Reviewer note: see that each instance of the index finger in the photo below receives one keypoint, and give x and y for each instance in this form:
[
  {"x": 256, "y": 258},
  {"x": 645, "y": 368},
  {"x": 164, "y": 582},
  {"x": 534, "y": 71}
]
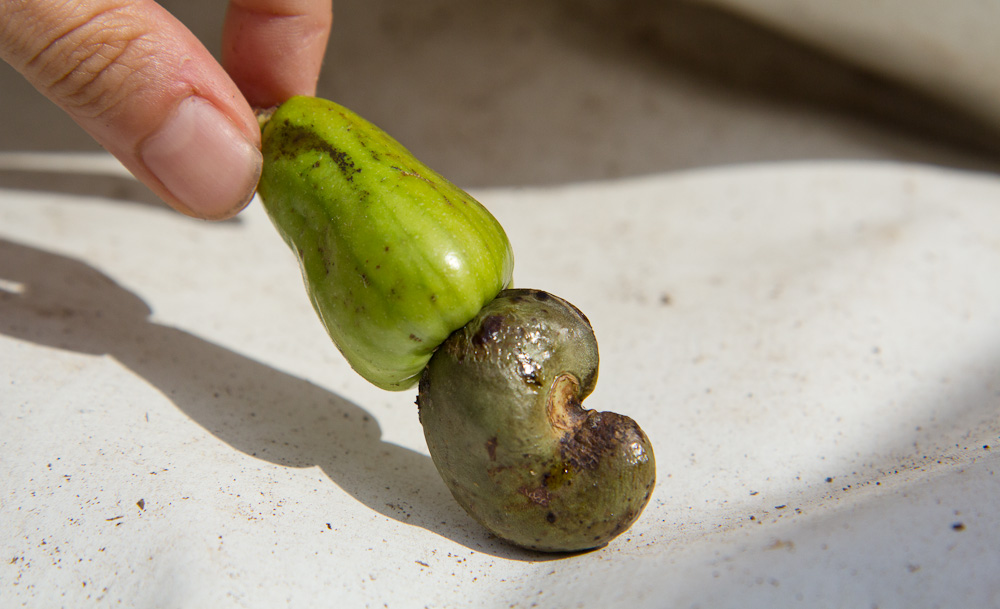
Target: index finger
[{"x": 273, "y": 49}]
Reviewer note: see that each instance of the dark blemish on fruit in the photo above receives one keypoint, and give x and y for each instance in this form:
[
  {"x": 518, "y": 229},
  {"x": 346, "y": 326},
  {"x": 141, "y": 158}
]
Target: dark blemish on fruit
[
  {"x": 538, "y": 496},
  {"x": 489, "y": 331},
  {"x": 600, "y": 433},
  {"x": 296, "y": 139}
]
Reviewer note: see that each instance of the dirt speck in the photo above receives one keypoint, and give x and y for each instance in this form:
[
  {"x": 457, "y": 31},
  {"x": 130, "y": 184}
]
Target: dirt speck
[{"x": 781, "y": 544}]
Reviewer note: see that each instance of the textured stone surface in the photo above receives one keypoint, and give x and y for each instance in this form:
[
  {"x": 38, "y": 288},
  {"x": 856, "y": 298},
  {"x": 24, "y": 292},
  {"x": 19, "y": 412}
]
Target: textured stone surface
[{"x": 811, "y": 348}]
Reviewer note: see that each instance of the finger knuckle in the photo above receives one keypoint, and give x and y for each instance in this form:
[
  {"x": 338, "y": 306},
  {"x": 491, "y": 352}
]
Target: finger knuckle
[{"x": 92, "y": 63}]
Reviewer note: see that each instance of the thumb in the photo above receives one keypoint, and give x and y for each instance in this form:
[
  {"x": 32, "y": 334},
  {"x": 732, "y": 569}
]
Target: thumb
[{"x": 147, "y": 90}]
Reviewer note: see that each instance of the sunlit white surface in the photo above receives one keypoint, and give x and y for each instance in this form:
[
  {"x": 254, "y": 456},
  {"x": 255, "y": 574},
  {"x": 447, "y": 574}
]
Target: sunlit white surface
[{"x": 813, "y": 349}]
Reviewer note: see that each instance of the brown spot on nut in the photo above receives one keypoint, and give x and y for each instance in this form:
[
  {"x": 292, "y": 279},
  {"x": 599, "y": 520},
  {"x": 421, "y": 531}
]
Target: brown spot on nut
[
  {"x": 538, "y": 496},
  {"x": 564, "y": 410}
]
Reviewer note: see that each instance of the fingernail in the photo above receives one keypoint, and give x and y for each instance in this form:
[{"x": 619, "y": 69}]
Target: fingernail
[{"x": 203, "y": 160}]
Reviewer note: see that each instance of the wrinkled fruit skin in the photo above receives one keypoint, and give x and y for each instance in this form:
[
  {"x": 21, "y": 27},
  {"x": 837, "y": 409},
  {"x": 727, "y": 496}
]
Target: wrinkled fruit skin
[
  {"x": 394, "y": 257},
  {"x": 500, "y": 407}
]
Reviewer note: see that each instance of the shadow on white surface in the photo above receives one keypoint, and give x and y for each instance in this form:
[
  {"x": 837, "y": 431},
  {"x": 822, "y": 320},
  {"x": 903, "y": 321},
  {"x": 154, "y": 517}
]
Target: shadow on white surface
[{"x": 59, "y": 302}]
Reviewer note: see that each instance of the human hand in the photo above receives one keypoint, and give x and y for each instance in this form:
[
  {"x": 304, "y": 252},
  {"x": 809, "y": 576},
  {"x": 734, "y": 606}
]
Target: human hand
[{"x": 147, "y": 90}]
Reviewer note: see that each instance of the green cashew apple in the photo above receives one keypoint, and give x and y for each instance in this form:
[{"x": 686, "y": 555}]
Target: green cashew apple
[
  {"x": 394, "y": 256},
  {"x": 500, "y": 405}
]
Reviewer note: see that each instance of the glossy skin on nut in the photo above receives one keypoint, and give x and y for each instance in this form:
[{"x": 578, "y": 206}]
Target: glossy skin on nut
[{"x": 501, "y": 407}]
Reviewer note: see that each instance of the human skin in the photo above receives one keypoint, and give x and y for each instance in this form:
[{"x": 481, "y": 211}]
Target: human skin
[{"x": 138, "y": 81}]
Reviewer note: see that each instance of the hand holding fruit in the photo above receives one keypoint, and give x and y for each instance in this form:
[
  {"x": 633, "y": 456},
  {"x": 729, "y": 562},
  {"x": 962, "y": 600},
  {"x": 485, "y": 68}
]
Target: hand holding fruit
[
  {"x": 145, "y": 88},
  {"x": 395, "y": 258}
]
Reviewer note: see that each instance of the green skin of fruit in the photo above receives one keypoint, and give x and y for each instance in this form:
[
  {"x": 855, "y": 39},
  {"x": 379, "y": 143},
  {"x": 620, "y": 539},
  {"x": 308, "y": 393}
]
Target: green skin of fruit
[
  {"x": 500, "y": 405},
  {"x": 394, "y": 256}
]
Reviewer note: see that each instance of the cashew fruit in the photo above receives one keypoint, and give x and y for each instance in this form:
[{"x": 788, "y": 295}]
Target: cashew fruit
[
  {"x": 394, "y": 256},
  {"x": 500, "y": 405}
]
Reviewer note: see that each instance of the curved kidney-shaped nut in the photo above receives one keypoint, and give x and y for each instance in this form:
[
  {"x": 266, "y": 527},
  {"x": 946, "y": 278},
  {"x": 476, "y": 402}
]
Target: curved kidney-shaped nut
[{"x": 500, "y": 404}]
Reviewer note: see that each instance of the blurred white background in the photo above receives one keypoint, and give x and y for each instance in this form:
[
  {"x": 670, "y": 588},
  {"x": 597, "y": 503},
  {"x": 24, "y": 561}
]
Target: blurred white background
[{"x": 542, "y": 93}]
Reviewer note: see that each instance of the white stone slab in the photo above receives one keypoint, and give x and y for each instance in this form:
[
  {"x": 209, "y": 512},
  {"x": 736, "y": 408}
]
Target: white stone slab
[{"x": 814, "y": 350}]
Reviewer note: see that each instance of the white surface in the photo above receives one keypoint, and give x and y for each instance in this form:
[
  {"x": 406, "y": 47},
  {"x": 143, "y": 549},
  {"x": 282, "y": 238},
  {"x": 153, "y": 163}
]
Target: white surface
[
  {"x": 950, "y": 49},
  {"x": 521, "y": 92},
  {"x": 771, "y": 328}
]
